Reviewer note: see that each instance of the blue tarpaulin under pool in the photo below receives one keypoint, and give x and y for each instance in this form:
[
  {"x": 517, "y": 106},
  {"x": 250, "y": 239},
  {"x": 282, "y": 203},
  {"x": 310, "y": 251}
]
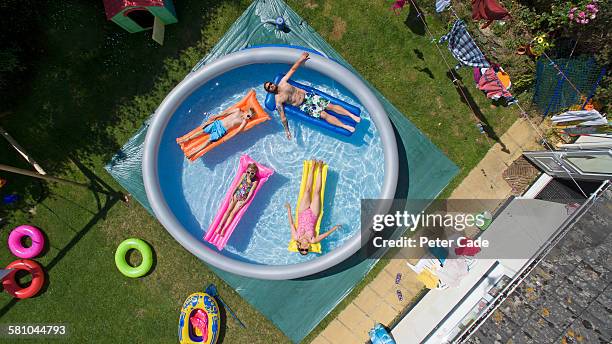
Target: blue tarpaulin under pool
[{"x": 424, "y": 172}]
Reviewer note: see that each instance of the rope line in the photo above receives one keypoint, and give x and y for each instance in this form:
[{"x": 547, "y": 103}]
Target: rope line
[
  {"x": 523, "y": 112},
  {"x": 455, "y": 80}
]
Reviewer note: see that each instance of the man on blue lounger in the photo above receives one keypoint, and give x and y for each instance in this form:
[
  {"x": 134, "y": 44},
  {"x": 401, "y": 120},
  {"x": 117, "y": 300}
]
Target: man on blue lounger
[{"x": 312, "y": 104}]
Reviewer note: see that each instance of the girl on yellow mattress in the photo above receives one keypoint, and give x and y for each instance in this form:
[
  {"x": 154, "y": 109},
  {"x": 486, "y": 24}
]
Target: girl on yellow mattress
[{"x": 308, "y": 213}]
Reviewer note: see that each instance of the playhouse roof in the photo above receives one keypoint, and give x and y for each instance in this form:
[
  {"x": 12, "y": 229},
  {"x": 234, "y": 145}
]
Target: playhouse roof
[{"x": 112, "y": 7}]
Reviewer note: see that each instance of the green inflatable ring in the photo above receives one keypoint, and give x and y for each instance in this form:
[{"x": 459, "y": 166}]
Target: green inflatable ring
[{"x": 140, "y": 246}]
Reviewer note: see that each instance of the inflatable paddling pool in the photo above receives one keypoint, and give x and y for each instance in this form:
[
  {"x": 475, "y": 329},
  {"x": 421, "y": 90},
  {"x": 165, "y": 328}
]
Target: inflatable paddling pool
[
  {"x": 249, "y": 100},
  {"x": 295, "y": 112},
  {"x": 316, "y": 248},
  {"x": 165, "y": 174},
  {"x": 202, "y": 310},
  {"x": 263, "y": 173}
]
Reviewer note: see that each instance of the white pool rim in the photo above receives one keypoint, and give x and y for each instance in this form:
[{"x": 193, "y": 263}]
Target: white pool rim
[{"x": 263, "y": 55}]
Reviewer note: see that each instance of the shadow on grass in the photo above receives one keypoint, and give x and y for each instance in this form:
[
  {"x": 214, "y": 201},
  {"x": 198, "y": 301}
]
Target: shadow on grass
[
  {"x": 92, "y": 78},
  {"x": 105, "y": 202},
  {"x": 414, "y": 22},
  {"x": 466, "y": 97}
]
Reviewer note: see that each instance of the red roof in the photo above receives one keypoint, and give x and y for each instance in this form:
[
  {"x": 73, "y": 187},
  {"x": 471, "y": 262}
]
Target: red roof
[{"x": 112, "y": 7}]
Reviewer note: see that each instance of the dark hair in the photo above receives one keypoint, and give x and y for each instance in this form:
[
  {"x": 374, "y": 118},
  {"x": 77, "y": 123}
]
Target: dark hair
[
  {"x": 267, "y": 83},
  {"x": 303, "y": 252}
]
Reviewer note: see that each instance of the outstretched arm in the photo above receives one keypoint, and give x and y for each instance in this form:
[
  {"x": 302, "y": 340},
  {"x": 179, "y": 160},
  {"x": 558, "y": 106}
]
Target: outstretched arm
[
  {"x": 295, "y": 67},
  {"x": 293, "y": 231},
  {"x": 326, "y": 234},
  {"x": 223, "y": 113},
  {"x": 281, "y": 111}
]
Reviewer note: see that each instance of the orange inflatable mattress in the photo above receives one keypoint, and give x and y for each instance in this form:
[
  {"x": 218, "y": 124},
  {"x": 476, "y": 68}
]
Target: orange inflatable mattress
[{"x": 249, "y": 100}]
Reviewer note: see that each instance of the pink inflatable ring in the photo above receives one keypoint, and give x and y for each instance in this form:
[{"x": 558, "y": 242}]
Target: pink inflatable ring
[{"x": 17, "y": 248}]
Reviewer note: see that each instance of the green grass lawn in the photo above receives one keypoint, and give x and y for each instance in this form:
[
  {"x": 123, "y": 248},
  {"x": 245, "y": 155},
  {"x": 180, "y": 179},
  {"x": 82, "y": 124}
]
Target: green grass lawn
[{"x": 91, "y": 87}]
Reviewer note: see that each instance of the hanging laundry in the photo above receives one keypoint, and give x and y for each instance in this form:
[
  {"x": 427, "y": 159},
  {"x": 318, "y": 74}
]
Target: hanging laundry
[
  {"x": 441, "y": 5},
  {"x": 501, "y": 75},
  {"x": 494, "y": 89},
  {"x": 463, "y": 47},
  {"x": 489, "y": 10}
]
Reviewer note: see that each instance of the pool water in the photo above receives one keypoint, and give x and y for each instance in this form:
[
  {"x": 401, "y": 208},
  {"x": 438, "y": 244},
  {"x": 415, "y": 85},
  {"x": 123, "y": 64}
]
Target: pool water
[{"x": 194, "y": 191}]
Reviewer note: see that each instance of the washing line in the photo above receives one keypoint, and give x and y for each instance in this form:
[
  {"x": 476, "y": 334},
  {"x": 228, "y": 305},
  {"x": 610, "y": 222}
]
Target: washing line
[
  {"x": 523, "y": 112},
  {"x": 455, "y": 80}
]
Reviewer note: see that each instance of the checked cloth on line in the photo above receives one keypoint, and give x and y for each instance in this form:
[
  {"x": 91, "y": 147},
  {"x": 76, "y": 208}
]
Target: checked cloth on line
[{"x": 463, "y": 47}]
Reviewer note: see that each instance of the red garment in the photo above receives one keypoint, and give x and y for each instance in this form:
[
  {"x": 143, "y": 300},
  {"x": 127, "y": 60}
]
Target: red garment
[
  {"x": 466, "y": 251},
  {"x": 492, "y": 86},
  {"x": 489, "y": 10}
]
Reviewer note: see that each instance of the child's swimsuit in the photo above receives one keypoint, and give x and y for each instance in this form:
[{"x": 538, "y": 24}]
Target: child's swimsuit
[
  {"x": 306, "y": 224},
  {"x": 243, "y": 190},
  {"x": 314, "y": 104},
  {"x": 216, "y": 130}
]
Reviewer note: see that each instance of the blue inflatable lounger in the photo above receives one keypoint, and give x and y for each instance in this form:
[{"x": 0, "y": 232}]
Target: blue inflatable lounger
[{"x": 296, "y": 113}]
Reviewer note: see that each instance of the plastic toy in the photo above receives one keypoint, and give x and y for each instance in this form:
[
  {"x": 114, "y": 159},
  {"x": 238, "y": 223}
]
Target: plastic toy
[
  {"x": 145, "y": 251},
  {"x": 380, "y": 335},
  {"x": 199, "y": 309},
  {"x": 11, "y": 199},
  {"x": 13, "y": 288},
  {"x": 16, "y": 247}
]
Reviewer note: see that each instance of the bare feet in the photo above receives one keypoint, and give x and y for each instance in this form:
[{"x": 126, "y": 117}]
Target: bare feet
[
  {"x": 357, "y": 119},
  {"x": 349, "y": 128}
]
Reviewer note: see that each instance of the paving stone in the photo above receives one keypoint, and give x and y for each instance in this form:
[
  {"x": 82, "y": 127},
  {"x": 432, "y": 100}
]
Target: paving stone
[
  {"x": 337, "y": 333},
  {"x": 320, "y": 339},
  {"x": 383, "y": 283},
  {"x": 352, "y": 315},
  {"x": 367, "y": 300},
  {"x": 383, "y": 314},
  {"x": 362, "y": 329}
]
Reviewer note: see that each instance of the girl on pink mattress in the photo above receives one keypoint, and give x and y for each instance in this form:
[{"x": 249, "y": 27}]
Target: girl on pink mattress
[
  {"x": 242, "y": 193},
  {"x": 308, "y": 213}
]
